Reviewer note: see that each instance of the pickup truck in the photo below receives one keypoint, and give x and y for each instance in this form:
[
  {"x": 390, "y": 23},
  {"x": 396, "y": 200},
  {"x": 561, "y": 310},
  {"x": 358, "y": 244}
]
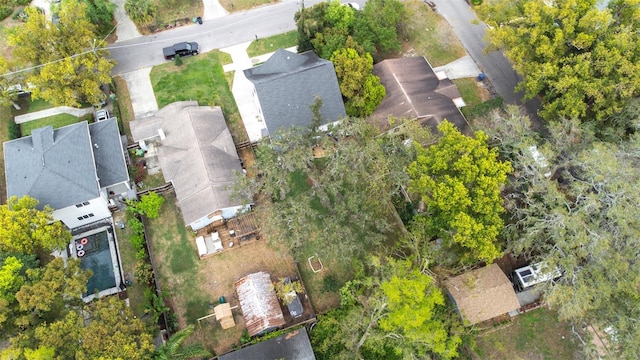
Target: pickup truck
[{"x": 182, "y": 49}]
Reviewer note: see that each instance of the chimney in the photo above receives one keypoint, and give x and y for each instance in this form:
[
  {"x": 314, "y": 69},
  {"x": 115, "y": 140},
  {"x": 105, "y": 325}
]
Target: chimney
[{"x": 42, "y": 138}]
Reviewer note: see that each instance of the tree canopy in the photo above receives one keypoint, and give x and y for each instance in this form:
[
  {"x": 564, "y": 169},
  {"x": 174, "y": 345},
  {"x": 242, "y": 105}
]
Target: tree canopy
[
  {"x": 393, "y": 311},
  {"x": 584, "y": 62},
  {"x": 111, "y": 332},
  {"x": 459, "y": 179},
  {"x": 71, "y": 57},
  {"x": 358, "y": 85},
  {"x": 174, "y": 349},
  {"x": 571, "y": 201},
  {"x": 329, "y": 186},
  {"x": 25, "y": 229}
]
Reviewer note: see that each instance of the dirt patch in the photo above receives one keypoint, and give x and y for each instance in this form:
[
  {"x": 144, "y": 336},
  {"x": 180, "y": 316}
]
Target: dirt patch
[{"x": 195, "y": 286}]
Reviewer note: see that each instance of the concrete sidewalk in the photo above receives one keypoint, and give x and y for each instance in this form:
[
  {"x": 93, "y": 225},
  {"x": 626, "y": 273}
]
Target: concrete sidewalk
[
  {"x": 213, "y": 9},
  {"x": 126, "y": 29},
  {"x": 20, "y": 119}
]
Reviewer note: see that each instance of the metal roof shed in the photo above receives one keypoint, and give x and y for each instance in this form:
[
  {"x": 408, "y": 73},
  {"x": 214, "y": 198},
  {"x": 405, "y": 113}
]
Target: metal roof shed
[{"x": 259, "y": 303}]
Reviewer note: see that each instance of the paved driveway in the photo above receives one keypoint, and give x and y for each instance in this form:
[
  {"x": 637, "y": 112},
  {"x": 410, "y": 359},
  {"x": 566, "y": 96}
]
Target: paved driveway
[{"x": 471, "y": 31}]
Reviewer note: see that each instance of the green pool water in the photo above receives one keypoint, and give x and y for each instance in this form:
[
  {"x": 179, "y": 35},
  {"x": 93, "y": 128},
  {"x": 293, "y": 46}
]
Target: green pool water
[{"x": 97, "y": 258}]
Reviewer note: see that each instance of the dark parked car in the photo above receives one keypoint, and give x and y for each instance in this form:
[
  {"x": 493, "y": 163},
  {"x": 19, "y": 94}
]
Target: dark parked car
[{"x": 182, "y": 49}]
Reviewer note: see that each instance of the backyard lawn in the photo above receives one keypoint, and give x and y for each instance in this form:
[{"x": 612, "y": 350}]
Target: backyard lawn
[
  {"x": 135, "y": 291},
  {"x": 199, "y": 78},
  {"x": 193, "y": 286},
  {"x": 534, "y": 335}
]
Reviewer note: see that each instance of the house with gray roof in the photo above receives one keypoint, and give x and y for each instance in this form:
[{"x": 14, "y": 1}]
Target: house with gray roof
[
  {"x": 75, "y": 169},
  {"x": 294, "y": 345},
  {"x": 287, "y": 84},
  {"x": 416, "y": 91},
  {"x": 198, "y": 156}
]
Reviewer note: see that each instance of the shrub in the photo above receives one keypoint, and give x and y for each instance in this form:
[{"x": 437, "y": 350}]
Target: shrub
[
  {"x": 245, "y": 338},
  {"x": 141, "y": 254},
  {"x": 330, "y": 283},
  {"x": 14, "y": 130},
  {"x": 149, "y": 205},
  {"x": 143, "y": 272},
  {"x": 5, "y": 11},
  {"x": 287, "y": 292},
  {"x": 136, "y": 226},
  {"x": 23, "y": 2},
  {"x": 140, "y": 11},
  {"x": 178, "y": 60},
  {"x": 137, "y": 242},
  {"x": 476, "y": 2}
]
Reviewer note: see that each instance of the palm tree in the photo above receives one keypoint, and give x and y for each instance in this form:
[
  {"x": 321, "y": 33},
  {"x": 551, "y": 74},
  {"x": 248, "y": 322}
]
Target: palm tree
[{"x": 173, "y": 349}]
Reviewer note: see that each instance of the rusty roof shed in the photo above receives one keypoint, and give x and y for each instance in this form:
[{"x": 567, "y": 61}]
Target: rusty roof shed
[{"x": 259, "y": 303}]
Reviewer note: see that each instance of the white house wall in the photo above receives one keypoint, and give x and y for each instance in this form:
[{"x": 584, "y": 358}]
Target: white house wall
[
  {"x": 89, "y": 211},
  {"x": 227, "y": 213}
]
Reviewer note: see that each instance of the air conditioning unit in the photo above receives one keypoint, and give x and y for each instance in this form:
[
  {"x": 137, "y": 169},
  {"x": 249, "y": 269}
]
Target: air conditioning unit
[{"x": 535, "y": 274}]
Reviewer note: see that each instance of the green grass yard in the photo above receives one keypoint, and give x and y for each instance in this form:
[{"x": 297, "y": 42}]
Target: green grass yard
[
  {"x": 430, "y": 35},
  {"x": 135, "y": 291},
  {"x": 56, "y": 121},
  {"x": 238, "y": 5},
  {"x": 200, "y": 78},
  {"x": 534, "y": 335},
  {"x": 273, "y": 43}
]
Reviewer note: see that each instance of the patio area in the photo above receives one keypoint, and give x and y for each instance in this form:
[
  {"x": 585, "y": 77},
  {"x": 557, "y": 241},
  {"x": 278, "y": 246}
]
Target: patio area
[{"x": 227, "y": 235}]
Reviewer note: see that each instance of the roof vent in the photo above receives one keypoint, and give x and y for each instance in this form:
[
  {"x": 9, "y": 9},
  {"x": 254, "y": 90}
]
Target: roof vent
[{"x": 161, "y": 134}]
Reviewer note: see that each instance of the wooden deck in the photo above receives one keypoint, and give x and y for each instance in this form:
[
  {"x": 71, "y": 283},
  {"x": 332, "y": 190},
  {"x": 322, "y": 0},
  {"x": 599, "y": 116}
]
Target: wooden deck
[{"x": 234, "y": 233}]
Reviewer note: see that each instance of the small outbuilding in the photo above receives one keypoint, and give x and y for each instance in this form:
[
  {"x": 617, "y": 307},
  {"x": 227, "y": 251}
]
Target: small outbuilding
[
  {"x": 260, "y": 307},
  {"x": 224, "y": 315},
  {"x": 482, "y": 294}
]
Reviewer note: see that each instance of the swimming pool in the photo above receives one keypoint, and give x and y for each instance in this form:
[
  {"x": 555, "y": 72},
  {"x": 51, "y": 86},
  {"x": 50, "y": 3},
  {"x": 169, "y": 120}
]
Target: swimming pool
[{"x": 94, "y": 253}]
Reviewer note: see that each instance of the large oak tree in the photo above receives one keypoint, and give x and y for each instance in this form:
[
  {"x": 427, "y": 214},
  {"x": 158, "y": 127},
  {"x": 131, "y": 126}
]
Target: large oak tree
[
  {"x": 459, "y": 180},
  {"x": 330, "y": 193},
  {"x": 572, "y": 204},
  {"x": 70, "y": 58},
  {"x": 584, "y": 62},
  {"x": 25, "y": 229}
]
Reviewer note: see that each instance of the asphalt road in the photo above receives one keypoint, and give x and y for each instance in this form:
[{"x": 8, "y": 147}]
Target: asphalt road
[
  {"x": 217, "y": 33},
  {"x": 471, "y": 31}
]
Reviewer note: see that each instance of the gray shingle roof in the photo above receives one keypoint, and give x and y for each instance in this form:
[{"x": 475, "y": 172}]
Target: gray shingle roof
[
  {"x": 56, "y": 167},
  {"x": 198, "y": 155},
  {"x": 294, "y": 345},
  {"x": 288, "y": 83},
  {"x": 414, "y": 91},
  {"x": 108, "y": 153}
]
